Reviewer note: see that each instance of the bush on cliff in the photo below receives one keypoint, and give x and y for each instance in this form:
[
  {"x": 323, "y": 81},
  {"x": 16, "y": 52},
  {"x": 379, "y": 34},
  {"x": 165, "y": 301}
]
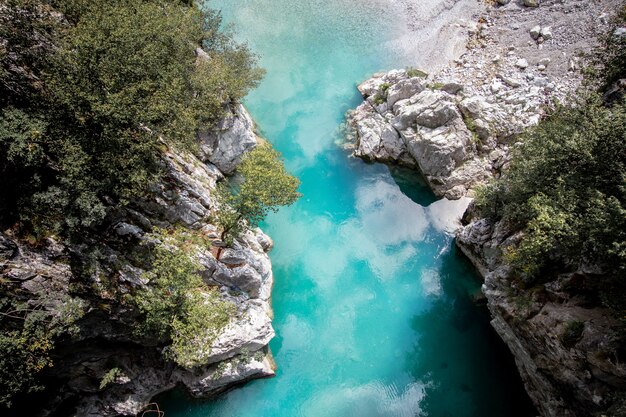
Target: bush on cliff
[
  {"x": 266, "y": 186},
  {"x": 610, "y": 60},
  {"x": 178, "y": 306},
  {"x": 81, "y": 121},
  {"x": 566, "y": 190}
]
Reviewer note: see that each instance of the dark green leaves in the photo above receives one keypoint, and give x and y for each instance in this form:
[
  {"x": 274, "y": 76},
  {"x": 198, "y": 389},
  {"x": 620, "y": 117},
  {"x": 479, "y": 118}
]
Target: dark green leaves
[
  {"x": 566, "y": 189},
  {"x": 266, "y": 187}
]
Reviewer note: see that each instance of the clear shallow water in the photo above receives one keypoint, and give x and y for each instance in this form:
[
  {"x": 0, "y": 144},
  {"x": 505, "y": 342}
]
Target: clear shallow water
[{"x": 373, "y": 309}]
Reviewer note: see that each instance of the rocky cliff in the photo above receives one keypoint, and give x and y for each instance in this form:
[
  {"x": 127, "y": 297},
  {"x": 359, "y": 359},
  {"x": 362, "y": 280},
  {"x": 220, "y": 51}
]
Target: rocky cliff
[
  {"x": 567, "y": 349},
  {"x": 95, "y": 276},
  {"x": 457, "y": 127}
]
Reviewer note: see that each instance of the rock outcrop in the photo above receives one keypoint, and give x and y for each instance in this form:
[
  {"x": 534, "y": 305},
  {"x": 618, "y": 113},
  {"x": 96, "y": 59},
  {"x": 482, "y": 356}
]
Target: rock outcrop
[
  {"x": 404, "y": 121},
  {"x": 92, "y": 277},
  {"x": 459, "y": 125},
  {"x": 225, "y": 145},
  {"x": 567, "y": 349}
]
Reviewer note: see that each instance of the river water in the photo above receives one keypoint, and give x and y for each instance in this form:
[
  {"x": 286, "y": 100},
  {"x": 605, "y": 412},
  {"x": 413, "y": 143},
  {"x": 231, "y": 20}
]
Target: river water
[{"x": 373, "y": 305}]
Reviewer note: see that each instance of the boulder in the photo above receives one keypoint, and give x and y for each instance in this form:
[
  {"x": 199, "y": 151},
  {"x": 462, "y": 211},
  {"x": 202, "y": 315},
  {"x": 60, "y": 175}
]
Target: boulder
[
  {"x": 403, "y": 90},
  {"x": 546, "y": 33},
  {"x": 521, "y": 63},
  {"x": 376, "y": 139},
  {"x": 430, "y": 109},
  {"x": 535, "y": 32},
  {"x": 225, "y": 145},
  {"x": 439, "y": 151}
]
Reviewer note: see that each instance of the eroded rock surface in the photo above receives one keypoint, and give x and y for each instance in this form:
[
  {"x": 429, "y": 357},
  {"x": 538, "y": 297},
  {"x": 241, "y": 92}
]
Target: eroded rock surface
[
  {"x": 566, "y": 373},
  {"x": 225, "y": 145},
  {"x": 458, "y": 125},
  {"x": 95, "y": 275}
]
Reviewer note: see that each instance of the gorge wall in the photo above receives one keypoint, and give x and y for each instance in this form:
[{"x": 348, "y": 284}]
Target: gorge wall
[{"x": 95, "y": 276}]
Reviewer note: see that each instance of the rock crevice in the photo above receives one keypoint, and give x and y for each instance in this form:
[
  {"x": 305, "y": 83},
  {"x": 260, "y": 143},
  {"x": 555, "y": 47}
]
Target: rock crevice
[{"x": 97, "y": 273}]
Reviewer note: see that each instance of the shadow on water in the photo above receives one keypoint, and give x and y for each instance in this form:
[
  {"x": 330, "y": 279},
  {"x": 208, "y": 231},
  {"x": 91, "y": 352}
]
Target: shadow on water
[
  {"x": 453, "y": 320},
  {"x": 412, "y": 184}
]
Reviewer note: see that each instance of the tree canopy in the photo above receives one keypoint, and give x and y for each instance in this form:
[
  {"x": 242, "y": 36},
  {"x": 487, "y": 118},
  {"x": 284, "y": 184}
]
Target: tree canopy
[
  {"x": 566, "y": 189},
  {"x": 83, "y": 111}
]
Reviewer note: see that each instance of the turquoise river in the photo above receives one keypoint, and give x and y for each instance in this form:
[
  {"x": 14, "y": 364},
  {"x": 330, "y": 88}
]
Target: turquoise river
[{"x": 373, "y": 304}]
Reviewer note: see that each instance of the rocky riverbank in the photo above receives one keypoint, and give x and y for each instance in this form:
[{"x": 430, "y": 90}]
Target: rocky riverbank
[
  {"x": 457, "y": 127},
  {"x": 99, "y": 273}
]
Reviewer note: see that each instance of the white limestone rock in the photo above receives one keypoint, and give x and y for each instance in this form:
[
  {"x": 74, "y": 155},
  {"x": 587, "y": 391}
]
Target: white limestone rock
[
  {"x": 376, "y": 139},
  {"x": 229, "y": 141},
  {"x": 535, "y": 32},
  {"x": 404, "y": 89},
  {"x": 430, "y": 108}
]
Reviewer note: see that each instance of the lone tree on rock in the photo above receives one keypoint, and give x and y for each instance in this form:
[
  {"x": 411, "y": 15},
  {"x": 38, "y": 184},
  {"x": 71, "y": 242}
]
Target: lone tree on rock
[{"x": 266, "y": 187}]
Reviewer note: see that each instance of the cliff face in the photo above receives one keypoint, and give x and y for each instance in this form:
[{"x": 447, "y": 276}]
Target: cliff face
[
  {"x": 566, "y": 348},
  {"x": 94, "y": 277}
]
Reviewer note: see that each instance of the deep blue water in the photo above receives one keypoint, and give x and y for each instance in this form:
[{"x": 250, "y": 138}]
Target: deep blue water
[{"x": 373, "y": 305}]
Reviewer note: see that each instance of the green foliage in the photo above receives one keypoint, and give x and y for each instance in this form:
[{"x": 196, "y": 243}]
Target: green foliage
[
  {"x": 471, "y": 126},
  {"x": 110, "y": 377},
  {"x": 566, "y": 190},
  {"x": 266, "y": 187},
  {"x": 27, "y": 336},
  {"x": 414, "y": 72},
  {"x": 381, "y": 95},
  {"x": 26, "y": 27},
  {"x": 379, "y": 99},
  {"x": 611, "y": 57},
  {"x": 572, "y": 333},
  {"x": 177, "y": 304},
  {"x": 122, "y": 74},
  {"x": 192, "y": 334},
  {"x": 437, "y": 86}
]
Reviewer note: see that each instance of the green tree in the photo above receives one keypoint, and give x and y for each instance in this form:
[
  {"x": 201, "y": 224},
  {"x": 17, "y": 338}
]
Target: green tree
[
  {"x": 566, "y": 190},
  {"x": 121, "y": 81},
  {"x": 266, "y": 187}
]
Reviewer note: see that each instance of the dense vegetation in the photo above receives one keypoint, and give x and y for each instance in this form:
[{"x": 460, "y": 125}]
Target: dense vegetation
[
  {"x": 91, "y": 92},
  {"x": 87, "y": 99},
  {"x": 177, "y": 304},
  {"x": 566, "y": 187}
]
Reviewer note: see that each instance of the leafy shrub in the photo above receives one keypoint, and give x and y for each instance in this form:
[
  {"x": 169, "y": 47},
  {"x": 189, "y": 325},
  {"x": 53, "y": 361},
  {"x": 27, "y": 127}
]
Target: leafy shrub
[
  {"x": 177, "y": 304},
  {"x": 565, "y": 190},
  {"x": 414, "y": 72},
  {"x": 572, "y": 333},
  {"x": 110, "y": 376},
  {"x": 27, "y": 335},
  {"x": 266, "y": 187},
  {"x": 610, "y": 60}
]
